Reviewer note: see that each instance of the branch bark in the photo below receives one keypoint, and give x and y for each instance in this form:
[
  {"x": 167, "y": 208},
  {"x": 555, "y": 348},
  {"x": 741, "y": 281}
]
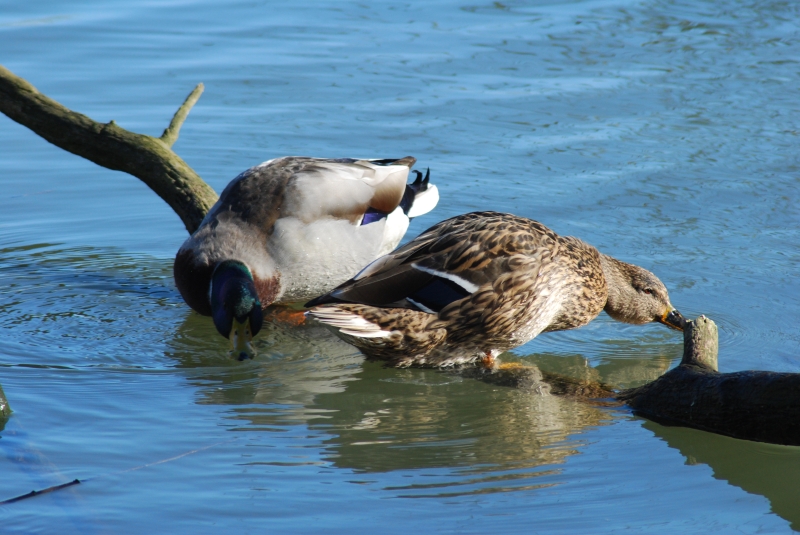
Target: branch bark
[{"x": 148, "y": 158}]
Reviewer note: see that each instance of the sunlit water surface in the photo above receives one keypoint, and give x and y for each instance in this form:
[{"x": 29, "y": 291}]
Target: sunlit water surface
[{"x": 663, "y": 132}]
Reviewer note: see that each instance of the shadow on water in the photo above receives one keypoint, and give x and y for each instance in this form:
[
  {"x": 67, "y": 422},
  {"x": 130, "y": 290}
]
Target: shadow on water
[{"x": 766, "y": 469}]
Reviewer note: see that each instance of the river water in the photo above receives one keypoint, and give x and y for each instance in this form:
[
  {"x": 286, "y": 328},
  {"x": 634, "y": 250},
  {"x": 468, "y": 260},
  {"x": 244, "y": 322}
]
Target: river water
[{"x": 663, "y": 132}]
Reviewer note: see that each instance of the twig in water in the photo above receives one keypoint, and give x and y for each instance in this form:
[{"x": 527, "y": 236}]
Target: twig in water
[{"x": 33, "y": 493}]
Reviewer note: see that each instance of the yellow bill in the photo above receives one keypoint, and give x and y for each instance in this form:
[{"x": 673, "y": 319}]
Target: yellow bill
[{"x": 241, "y": 338}]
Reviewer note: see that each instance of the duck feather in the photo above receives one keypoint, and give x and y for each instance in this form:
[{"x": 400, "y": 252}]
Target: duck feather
[
  {"x": 478, "y": 284},
  {"x": 296, "y": 222},
  {"x": 490, "y": 281}
]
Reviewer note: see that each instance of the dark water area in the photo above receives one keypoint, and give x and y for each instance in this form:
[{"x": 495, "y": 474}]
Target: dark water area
[{"x": 663, "y": 132}]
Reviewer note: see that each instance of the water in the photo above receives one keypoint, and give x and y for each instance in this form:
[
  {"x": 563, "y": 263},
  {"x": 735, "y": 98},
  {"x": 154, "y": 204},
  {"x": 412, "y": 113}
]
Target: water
[{"x": 663, "y": 132}]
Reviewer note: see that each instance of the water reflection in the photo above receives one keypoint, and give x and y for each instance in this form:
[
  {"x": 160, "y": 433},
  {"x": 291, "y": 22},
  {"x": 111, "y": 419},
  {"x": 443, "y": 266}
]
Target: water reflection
[
  {"x": 424, "y": 419},
  {"x": 377, "y": 419},
  {"x": 766, "y": 469},
  {"x": 293, "y": 365},
  {"x": 625, "y": 372},
  {"x": 490, "y": 439},
  {"x": 447, "y": 434}
]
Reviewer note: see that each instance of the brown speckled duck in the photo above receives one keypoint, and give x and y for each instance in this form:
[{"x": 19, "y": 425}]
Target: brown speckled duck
[
  {"x": 481, "y": 283},
  {"x": 292, "y": 228}
]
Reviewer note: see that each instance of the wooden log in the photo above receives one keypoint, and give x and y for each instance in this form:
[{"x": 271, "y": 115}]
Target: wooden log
[
  {"x": 751, "y": 405},
  {"x": 148, "y": 158}
]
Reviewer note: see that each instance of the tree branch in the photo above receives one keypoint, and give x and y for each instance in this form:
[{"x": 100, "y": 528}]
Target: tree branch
[
  {"x": 170, "y": 135},
  {"x": 147, "y": 158}
]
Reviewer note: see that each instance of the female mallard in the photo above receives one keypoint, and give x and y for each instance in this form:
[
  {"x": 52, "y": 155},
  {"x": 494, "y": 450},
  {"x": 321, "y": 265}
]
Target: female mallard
[
  {"x": 290, "y": 229},
  {"x": 478, "y": 284}
]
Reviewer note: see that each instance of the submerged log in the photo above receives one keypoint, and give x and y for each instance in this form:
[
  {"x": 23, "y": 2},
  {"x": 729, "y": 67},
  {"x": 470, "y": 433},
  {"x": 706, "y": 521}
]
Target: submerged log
[
  {"x": 751, "y": 405},
  {"x": 148, "y": 158}
]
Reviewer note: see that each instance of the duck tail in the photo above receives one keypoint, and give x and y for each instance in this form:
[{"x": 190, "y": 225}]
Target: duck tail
[
  {"x": 397, "y": 335},
  {"x": 420, "y": 196}
]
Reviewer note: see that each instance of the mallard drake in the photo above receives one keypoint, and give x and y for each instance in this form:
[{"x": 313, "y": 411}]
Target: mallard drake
[
  {"x": 481, "y": 283},
  {"x": 292, "y": 228}
]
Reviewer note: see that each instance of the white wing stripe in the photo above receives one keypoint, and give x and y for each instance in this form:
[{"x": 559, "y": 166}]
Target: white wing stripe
[
  {"x": 420, "y": 306},
  {"x": 464, "y": 283}
]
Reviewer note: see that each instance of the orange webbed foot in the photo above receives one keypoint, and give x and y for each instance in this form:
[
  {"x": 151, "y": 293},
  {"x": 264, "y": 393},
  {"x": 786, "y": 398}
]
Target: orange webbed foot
[{"x": 512, "y": 366}]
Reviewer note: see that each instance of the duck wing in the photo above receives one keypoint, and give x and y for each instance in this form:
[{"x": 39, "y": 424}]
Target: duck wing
[
  {"x": 315, "y": 188},
  {"x": 447, "y": 263},
  {"x": 345, "y": 188}
]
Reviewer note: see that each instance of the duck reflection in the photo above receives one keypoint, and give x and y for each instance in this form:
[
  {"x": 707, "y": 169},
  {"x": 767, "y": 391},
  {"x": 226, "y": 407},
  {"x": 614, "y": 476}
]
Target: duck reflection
[
  {"x": 490, "y": 438},
  {"x": 376, "y": 419},
  {"x": 293, "y": 366},
  {"x": 411, "y": 419},
  {"x": 767, "y": 469},
  {"x": 618, "y": 372}
]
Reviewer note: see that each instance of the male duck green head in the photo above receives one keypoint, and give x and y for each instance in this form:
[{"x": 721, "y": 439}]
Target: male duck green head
[
  {"x": 292, "y": 228},
  {"x": 235, "y": 307}
]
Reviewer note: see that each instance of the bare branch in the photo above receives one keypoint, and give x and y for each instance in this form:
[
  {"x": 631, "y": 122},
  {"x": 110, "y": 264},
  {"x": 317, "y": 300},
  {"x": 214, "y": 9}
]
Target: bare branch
[
  {"x": 170, "y": 135},
  {"x": 147, "y": 158}
]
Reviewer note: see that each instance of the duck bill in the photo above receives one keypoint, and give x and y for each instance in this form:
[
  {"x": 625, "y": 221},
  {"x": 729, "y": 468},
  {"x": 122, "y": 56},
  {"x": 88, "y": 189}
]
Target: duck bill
[
  {"x": 674, "y": 320},
  {"x": 241, "y": 338}
]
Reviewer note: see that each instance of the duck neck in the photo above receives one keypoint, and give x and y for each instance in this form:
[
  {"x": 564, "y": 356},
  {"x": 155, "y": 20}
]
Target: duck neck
[{"x": 621, "y": 294}]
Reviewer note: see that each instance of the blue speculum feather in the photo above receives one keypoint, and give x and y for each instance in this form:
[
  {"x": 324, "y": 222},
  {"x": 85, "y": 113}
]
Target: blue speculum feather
[
  {"x": 438, "y": 294},
  {"x": 372, "y": 215}
]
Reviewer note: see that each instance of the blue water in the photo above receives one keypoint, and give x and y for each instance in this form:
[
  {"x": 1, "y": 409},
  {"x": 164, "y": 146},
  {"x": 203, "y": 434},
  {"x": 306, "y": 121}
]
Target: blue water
[{"x": 663, "y": 132}]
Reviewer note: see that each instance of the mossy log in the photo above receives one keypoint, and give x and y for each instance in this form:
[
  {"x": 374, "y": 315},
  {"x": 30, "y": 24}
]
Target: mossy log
[
  {"x": 148, "y": 158},
  {"x": 752, "y": 405}
]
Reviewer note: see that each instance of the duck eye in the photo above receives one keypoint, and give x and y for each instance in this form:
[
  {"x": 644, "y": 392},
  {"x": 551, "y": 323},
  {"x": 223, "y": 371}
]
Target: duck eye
[{"x": 648, "y": 291}]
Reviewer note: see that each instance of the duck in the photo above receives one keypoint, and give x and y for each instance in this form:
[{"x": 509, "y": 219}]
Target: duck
[
  {"x": 292, "y": 228},
  {"x": 481, "y": 283}
]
